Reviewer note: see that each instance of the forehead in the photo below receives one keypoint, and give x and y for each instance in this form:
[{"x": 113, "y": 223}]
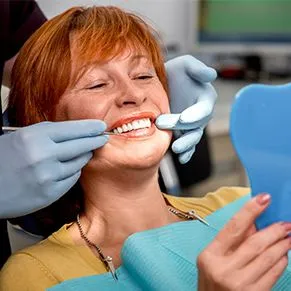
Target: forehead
[
  {"x": 82, "y": 61},
  {"x": 127, "y": 53},
  {"x": 121, "y": 51}
]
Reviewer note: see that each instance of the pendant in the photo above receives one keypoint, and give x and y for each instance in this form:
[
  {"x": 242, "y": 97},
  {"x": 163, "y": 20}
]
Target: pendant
[
  {"x": 193, "y": 214},
  {"x": 109, "y": 263}
]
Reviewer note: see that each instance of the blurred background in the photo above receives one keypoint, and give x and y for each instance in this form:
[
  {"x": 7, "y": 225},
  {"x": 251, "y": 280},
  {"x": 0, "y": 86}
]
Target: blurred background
[{"x": 246, "y": 41}]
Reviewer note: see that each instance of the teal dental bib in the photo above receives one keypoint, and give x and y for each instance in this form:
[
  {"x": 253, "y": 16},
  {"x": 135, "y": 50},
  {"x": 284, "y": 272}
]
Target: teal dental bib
[{"x": 163, "y": 259}]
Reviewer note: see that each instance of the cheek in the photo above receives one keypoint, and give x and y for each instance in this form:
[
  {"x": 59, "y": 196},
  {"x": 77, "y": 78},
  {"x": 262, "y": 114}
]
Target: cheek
[
  {"x": 76, "y": 109},
  {"x": 161, "y": 99},
  {"x": 165, "y": 105}
]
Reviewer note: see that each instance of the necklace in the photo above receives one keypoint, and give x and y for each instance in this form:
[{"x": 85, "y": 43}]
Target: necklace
[{"x": 108, "y": 261}]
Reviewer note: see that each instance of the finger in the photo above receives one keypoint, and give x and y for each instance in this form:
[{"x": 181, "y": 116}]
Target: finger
[
  {"x": 199, "y": 71},
  {"x": 71, "y": 149},
  {"x": 251, "y": 231},
  {"x": 235, "y": 230},
  {"x": 267, "y": 260},
  {"x": 167, "y": 121},
  {"x": 172, "y": 122},
  {"x": 62, "y": 187},
  {"x": 73, "y": 166},
  {"x": 271, "y": 277},
  {"x": 256, "y": 244},
  {"x": 187, "y": 141},
  {"x": 69, "y": 130},
  {"x": 186, "y": 156},
  {"x": 203, "y": 108}
]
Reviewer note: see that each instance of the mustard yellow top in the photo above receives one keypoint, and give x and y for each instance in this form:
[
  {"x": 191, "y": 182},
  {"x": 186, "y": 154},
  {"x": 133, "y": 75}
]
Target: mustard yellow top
[{"x": 58, "y": 258}]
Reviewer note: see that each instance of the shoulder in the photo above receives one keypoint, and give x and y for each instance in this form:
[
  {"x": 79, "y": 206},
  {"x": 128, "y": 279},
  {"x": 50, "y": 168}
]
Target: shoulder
[
  {"x": 24, "y": 272},
  {"x": 34, "y": 267},
  {"x": 210, "y": 202},
  {"x": 48, "y": 263}
]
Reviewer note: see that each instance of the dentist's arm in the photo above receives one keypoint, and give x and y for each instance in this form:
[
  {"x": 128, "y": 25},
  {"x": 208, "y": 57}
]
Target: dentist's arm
[
  {"x": 192, "y": 100},
  {"x": 40, "y": 163}
]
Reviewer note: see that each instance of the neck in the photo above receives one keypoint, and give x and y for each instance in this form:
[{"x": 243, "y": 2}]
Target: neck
[{"x": 117, "y": 207}]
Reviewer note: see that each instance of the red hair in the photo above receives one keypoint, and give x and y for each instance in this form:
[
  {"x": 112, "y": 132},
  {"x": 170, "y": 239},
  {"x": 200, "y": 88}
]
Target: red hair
[{"x": 43, "y": 71}]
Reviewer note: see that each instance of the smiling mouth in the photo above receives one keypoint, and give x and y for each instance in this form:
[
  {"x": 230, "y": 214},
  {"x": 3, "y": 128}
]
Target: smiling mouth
[{"x": 135, "y": 125}]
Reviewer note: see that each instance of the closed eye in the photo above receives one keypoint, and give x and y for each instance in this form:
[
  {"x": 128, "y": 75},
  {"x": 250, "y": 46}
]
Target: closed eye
[
  {"x": 97, "y": 86},
  {"x": 144, "y": 77}
]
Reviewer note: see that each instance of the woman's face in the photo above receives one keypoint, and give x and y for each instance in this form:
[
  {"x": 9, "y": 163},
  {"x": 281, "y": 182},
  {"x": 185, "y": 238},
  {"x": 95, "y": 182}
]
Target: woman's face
[{"x": 127, "y": 95}]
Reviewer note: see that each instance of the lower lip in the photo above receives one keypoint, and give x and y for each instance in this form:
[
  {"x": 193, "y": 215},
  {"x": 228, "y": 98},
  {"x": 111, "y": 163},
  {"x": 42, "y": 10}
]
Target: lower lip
[{"x": 138, "y": 133}]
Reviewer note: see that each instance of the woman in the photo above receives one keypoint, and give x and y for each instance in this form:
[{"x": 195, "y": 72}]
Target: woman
[{"x": 104, "y": 63}]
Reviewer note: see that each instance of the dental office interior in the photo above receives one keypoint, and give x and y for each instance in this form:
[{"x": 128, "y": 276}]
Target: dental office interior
[{"x": 247, "y": 42}]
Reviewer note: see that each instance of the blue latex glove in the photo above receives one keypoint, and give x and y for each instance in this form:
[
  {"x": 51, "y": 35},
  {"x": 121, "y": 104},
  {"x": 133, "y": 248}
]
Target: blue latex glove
[
  {"x": 192, "y": 100},
  {"x": 40, "y": 163}
]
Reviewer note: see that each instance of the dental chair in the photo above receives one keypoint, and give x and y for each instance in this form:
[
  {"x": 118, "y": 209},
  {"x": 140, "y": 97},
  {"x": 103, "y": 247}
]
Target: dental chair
[{"x": 19, "y": 238}]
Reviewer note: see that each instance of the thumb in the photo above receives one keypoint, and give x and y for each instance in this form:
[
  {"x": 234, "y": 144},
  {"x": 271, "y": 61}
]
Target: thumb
[{"x": 199, "y": 71}]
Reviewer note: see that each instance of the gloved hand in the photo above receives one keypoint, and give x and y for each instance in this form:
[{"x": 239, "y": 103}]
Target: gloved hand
[
  {"x": 192, "y": 100},
  {"x": 40, "y": 163}
]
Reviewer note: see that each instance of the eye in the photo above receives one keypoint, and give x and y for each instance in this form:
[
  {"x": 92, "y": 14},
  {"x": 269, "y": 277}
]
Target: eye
[
  {"x": 97, "y": 86},
  {"x": 144, "y": 77}
]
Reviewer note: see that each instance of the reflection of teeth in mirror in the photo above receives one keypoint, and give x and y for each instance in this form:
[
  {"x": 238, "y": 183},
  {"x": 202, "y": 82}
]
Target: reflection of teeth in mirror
[{"x": 136, "y": 124}]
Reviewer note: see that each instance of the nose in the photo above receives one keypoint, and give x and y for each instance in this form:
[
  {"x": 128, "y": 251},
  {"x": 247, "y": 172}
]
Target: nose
[{"x": 130, "y": 94}]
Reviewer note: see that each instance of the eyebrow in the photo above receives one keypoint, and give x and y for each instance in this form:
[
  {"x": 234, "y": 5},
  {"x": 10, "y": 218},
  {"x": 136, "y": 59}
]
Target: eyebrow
[{"x": 136, "y": 58}]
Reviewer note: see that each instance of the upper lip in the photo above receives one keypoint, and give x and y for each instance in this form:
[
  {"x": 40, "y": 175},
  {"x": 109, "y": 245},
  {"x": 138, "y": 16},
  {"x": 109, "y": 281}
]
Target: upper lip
[{"x": 133, "y": 116}]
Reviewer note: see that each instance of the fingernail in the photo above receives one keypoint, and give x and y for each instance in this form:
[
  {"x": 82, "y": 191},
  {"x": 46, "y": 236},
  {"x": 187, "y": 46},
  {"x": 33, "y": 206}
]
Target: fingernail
[
  {"x": 287, "y": 226},
  {"x": 263, "y": 199}
]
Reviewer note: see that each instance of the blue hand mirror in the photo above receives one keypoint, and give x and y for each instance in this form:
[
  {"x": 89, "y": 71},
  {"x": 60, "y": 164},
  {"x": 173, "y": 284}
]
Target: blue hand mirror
[{"x": 260, "y": 129}]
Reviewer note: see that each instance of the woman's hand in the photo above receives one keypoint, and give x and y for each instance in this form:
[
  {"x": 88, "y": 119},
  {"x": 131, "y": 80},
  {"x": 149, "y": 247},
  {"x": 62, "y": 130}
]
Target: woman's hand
[{"x": 240, "y": 258}]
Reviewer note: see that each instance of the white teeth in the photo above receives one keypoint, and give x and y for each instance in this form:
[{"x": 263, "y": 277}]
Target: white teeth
[
  {"x": 135, "y": 124},
  {"x": 124, "y": 128},
  {"x": 142, "y": 123},
  {"x": 148, "y": 123}
]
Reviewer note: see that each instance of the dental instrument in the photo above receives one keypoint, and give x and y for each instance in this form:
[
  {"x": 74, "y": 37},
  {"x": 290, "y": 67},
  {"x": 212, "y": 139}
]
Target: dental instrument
[{"x": 13, "y": 128}]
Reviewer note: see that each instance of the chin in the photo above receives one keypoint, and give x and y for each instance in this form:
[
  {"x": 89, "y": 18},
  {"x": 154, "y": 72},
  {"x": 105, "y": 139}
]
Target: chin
[
  {"x": 144, "y": 158},
  {"x": 137, "y": 154}
]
